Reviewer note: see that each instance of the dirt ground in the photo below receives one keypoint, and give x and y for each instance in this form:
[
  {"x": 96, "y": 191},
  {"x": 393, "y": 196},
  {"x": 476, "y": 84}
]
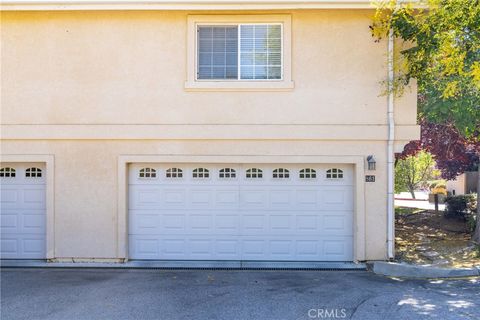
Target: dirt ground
[{"x": 424, "y": 237}]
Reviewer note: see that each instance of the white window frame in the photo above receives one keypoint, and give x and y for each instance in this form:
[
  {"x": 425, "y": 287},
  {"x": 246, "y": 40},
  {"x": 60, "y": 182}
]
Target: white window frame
[{"x": 194, "y": 84}]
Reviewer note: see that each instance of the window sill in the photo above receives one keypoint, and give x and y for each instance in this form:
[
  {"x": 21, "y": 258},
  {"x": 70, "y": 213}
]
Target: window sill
[{"x": 239, "y": 85}]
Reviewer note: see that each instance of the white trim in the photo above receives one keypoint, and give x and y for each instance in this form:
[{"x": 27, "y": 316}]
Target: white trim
[
  {"x": 49, "y": 161},
  {"x": 59, "y": 5},
  {"x": 359, "y": 231}
]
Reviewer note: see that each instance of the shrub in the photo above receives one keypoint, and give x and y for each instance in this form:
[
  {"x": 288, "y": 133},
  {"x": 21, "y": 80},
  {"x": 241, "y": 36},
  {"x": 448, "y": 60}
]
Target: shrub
[
  {"x": 439, "y": 190},
  {"x": 471, "y": 224},
  {"x": 438, "y": 183},
  {"x": 459, "y": 206}
]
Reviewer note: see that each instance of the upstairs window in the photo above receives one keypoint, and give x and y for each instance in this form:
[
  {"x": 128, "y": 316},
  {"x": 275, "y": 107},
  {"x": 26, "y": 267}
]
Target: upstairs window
[
  {"x": 334, "y": 173},
  {"x": 239, "y": 52},
  {"x": 199, "y": 173},
  {"x": 33, "y": 173},
  {"x": 7, "y": 172}
]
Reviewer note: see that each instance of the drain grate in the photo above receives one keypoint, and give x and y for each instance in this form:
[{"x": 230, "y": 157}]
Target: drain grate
[{"x": 194, "y": 265}]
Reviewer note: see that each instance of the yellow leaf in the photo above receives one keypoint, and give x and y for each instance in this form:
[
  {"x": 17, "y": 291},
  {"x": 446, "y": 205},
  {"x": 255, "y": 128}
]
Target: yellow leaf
[
  {"x": 476, "y": 73},
  {"x": 450, "y": 90}
]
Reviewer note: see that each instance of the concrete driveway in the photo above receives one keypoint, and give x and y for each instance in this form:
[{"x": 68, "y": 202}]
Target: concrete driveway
[{"x": 202, "y": 294}]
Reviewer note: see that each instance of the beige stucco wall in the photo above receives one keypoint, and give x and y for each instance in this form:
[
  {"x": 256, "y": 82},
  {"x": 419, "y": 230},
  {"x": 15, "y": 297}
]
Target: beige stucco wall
[{"x": 73, "y": 81}]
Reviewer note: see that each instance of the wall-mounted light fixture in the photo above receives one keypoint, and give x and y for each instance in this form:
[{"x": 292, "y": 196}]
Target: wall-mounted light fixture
[{"x": 371, "y": 163}]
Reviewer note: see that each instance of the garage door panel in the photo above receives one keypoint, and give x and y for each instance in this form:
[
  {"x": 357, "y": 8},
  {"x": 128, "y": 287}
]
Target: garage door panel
[
  {"x": 22, "y": 246},
  {"x": 227, "y": 198},
  {"x": 340, "y": 198},
  {"x": 306, "y": 199},
  {"x": 201, "y": 248},
  {"x": 254, "y": 223},
  {"x": 9, "y": 221},
  {"x": 144, "y": 222},
  {"x": 144, "y": 247},
  {"x": 227, "y": 223},
  {"x": 201, "y": 198},
  {"x": 9, "y": 247},
  {"x": 34, "y": 197},
  {"x": 339, "y": 249},
  {"x": 281, "y": 219},
  {"x": 30, "y": 222},
  {"x": 307, "y": 249},
  {"x": 254, "y": 198},
  {"x": 33, "y": 223},
  {"x": 22, "y": 197},
  {"x": 334, "y": 224},
  {"x": 174, "y": 198},
  {"x": 281, "y": 223},
  {"x": 144, "y": 197},
  {"x": 9, "y": 196}
]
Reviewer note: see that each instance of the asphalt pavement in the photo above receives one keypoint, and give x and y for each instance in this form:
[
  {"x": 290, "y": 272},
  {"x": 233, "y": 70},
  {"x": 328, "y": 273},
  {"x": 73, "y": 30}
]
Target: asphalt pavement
[{"x": 230, "y": 294}]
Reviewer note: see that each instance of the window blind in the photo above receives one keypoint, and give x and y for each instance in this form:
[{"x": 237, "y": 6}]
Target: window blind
[
  {"x": 260, "y": 52},
  {"x": 217, "y": 52}
]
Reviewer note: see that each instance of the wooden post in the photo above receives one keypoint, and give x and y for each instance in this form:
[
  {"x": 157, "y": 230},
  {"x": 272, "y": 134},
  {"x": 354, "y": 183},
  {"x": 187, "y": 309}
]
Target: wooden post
[{"x": 436, "y": 202}]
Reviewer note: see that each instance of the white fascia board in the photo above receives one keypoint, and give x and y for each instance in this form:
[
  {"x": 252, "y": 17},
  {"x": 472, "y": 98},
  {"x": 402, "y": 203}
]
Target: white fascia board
[{"x": 59, "y": 5}]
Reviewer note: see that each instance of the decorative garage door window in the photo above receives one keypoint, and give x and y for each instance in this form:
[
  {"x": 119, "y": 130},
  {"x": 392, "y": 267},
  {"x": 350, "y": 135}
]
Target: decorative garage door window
[
  {"x": 334, "y": 173},
  {"x": 254, "y": 173},
  {"x": 308, "y": 173},
  {"x": 148, "y": 173},
  {"x": 200, "y": 173},
  {"x": 227, "y": 173},
  {"x": 33, "y": 173},
  {"x": 7, "y": 172},
  {"x": 174, "y": 173},
  {"x": 281, "y": 173}
]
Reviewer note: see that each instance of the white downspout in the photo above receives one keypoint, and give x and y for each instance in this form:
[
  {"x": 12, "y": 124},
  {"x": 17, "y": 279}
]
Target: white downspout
[{"x": 390, "y": 152}]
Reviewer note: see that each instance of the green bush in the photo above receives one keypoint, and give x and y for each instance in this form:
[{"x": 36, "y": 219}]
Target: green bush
[
  {"x": 460, "y": 206},
  {"x": 437, "y": 183},
  {"x": 471, "y": 224}
]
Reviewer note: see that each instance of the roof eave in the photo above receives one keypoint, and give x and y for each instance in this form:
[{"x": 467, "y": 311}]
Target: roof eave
[{"x": 234, "y": 5}]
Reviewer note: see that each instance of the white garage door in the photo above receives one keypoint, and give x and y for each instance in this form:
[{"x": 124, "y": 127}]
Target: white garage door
[
  {"x": 22, "y": 211},
  {"x": 241, "y": 212}
]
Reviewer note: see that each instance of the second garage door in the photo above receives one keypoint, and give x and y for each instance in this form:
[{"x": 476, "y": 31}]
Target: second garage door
[
  {"x": 241, "y": 212},
  {"x": 22, "y": 211}
]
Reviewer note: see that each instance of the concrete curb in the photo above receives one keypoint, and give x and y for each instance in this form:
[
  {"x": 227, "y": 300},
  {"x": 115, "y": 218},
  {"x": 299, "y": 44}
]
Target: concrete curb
[{"x": 404, "y": 270}]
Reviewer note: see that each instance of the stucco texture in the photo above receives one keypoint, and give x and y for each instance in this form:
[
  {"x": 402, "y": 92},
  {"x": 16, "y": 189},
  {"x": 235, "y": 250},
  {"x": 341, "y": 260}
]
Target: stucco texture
[{"x": 70, "y": 78}]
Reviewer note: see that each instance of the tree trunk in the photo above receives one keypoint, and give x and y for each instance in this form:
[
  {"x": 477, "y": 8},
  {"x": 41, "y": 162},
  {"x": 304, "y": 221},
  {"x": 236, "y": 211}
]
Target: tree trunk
[
  {"x": 412, "y": 192},
  {"x": 476, "y": 234}
]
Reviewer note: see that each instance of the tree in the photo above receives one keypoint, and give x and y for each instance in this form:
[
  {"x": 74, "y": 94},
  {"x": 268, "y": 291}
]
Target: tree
[
  {"x": 442, "y": 40},
  {"x": 413, "y": 172},
  {"x": 453, "y": 153}
]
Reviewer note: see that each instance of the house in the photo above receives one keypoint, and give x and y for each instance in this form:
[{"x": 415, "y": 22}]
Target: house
[
  {"x": 197, "y": 130},
  {"x": 464, "y": 184}
]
